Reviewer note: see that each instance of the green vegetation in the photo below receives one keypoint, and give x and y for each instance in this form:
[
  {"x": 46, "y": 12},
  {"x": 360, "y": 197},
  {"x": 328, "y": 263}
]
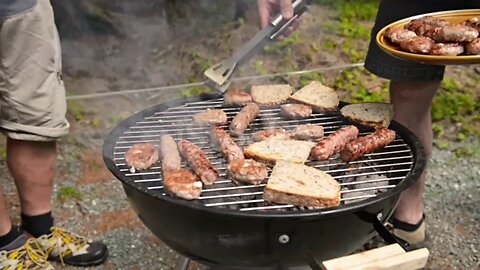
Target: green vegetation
[
  {"x": 353, "y": 81},
  {"x": 76, "y": 109},
  {"x": 68, "y": 192}
]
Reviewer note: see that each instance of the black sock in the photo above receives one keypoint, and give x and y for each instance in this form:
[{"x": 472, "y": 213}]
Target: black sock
[
  {"x": 8, "y": 238},
  {"x": 37, "y": 225}
]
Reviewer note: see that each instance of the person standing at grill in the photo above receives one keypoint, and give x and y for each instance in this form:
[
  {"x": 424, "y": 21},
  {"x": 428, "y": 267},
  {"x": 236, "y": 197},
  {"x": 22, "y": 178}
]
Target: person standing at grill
[
  {"x": 412, "y": 88},
  {"x": 32, "y": 117}
]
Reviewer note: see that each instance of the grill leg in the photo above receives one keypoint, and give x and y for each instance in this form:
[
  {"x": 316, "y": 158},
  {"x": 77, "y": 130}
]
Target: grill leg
[{"x": 182, "y": 263}]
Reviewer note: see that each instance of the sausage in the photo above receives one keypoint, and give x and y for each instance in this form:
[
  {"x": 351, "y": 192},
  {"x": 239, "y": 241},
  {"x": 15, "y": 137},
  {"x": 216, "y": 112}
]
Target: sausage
[
  {"x": 295, "y": 111},
  {"x": 241, "y": 121},
  {"x": 247, "y": 171},
  {"x": 456, "y": 33},
  {"x": 334, "y": 142},
  {"x": 199, "y": 162},
  {"x": 169, "y": 154},
  {"x": 230, "y": 149},
  {"x": 473, "y": 22},
  {"x": 449, "y": 49},
  {"x": 182, "y": 183},
  {"x": 473, "y": 47},
  {"x": 237, "y": 97},
  {"x": 417, "y": 45},
  {"x": 423, "y": 29},
  {"x": 141, "y": 156},
  {"x": 278, "y": 133},
  {"x": 210, "y": 117},
  {"x": 367, "y": 144},
  {"x": 398, "y": 34}
]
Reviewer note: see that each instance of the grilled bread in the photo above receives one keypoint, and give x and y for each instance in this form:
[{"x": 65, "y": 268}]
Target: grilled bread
[
  {"x": 301, "y": 185},
  {"x": 271, "y": 150},
  {"x": 371, "y": 114},
  {"x": 317, "y": 95},
  {"x": 271, "y": 95}
]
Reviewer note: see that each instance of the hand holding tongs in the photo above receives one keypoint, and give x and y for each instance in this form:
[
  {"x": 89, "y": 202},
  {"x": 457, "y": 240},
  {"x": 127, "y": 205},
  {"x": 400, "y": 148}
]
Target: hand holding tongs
[{"x": 219, "y": 76}]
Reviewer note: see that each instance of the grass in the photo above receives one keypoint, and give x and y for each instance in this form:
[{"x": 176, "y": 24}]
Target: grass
[{"x": 68, "y": 192}]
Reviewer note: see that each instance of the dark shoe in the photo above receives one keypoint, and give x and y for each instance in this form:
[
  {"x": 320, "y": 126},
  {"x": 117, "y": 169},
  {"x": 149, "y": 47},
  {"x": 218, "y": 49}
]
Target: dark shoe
[
  {"x": 18, "y": 242},
  {"x": 29, "y": 256},
  {"x": 68, "y": 248}
]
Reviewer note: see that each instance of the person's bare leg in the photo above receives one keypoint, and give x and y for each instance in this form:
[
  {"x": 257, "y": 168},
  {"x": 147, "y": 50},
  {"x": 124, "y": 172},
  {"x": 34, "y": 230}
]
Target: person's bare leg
[
  {"x": 412, "y": 102},
  {"x": 5, "y": 222},
  {"x": 33, "y": 166}
]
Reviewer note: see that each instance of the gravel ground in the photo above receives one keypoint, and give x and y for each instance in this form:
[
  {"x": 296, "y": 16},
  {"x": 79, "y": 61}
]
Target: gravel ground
[{"x": 103, "y": 212}]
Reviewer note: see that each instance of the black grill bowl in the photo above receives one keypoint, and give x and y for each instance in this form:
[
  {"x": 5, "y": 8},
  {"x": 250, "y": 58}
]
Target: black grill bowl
[{"x": 256, "y": 239}]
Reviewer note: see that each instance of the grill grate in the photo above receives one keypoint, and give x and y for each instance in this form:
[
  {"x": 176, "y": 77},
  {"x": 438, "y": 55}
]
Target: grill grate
[{"x": 362, "y": 179}]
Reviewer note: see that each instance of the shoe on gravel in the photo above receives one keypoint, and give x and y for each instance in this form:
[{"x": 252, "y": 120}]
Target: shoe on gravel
[
  {"x": 30, "y": 256},
  {"x": 68, "y": 248}
]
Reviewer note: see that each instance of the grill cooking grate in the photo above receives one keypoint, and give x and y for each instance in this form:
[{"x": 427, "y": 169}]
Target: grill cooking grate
[{"x": 362, "y": 179}]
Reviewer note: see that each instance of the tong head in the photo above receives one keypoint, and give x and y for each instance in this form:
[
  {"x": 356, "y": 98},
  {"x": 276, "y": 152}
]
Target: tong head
[
  {"x": 220, "y": 73},
  {"x": 219, "y": 88}
]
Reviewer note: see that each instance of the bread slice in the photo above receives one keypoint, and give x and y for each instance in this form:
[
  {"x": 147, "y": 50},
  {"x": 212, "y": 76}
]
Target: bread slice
[
  {"x": 317, "y": 95},
  {"x": 301, "y": 185},
  {"x": 270, "y": 95},
  {"x": 271, "y": 150},
  {"x": 371, "y": 114}
]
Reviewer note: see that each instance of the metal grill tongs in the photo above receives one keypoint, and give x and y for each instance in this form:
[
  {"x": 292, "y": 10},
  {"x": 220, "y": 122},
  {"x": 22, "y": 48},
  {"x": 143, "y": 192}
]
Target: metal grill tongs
[{"x": 219, "y": 75}]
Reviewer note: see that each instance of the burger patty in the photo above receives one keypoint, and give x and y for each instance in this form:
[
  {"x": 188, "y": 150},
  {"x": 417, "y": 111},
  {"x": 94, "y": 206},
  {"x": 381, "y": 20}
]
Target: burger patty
[
  {"x": 141, "y": 156},
  {"x": 247, "y": 171},
  {"x": 210, "y": 117}
]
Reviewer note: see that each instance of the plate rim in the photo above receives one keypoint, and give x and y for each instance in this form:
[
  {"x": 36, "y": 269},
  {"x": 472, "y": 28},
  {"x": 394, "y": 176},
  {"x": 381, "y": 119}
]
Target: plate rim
[{"x": 425, "y": 58}]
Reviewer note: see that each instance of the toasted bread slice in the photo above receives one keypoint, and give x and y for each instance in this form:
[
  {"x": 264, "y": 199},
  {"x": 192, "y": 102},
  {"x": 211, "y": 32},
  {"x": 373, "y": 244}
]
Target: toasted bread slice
[
  {"x": 271, "y": 150},
  {"x": 271, "y": 95},
  {"x": 317, "y": 95},
  {"x": 371, "y": 114},
  {"x": 301, "y": 185}
]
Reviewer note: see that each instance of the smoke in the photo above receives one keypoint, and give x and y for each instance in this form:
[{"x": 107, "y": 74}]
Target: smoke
[{"x": 134, "y": 44}]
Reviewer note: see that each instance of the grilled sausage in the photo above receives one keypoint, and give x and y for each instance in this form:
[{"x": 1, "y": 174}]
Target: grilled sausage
[
  {"x": 230, "y": 149},
  {"x": 199, "y": 162},
  {"x": 169, "y": 154},
  {"x": 367, "y": 144},
  {"x": 141, "y": 156},
  {"x": 247, "y": 171},
  {"x": 399, "y": 34},
  {"x": 456, "y": 33},
  {"x": 308, "y": 132},
  {"x": 334, "y": 142},
  {"x": 423, "y": 29},
  {"x": 473, "y": 47},
  {"x": 278, "y": 133},
  {"x": 295, "y": 111},
  {"x": 449, "y": 49},
  {"x": 417, "y": 45},
  {"x": 210, "y": 117},
  {"x": 182, "y": 183},
  {"x": 473, "y": 22},
  {"x": 241, "y": 121},
  {"x": 237, "y": 97}
]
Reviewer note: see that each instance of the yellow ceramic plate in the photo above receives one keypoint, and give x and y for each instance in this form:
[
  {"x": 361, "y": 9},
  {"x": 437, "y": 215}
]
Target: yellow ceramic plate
[{"x": 454, "y": 16}]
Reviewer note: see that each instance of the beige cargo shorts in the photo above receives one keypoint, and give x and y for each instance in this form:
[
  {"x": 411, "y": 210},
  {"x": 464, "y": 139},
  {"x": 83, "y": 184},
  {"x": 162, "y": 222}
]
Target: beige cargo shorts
[{"x": 32, "y": 94}]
